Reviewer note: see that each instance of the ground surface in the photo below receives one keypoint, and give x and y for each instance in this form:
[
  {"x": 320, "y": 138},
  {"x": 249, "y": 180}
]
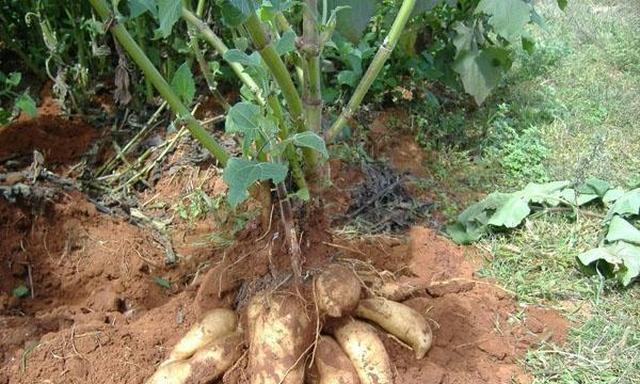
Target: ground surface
[{"x": 106, "y": 308}]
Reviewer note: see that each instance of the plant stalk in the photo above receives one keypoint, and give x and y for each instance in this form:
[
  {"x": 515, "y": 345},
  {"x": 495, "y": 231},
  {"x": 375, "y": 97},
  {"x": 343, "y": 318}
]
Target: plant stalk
[
  {"x": 165, "y": 90},
  {"x": 312, "y": 94},
  {"x": 281, "y": 75},
  {"x": 374, "y": 69},
  {"x": 210, "y": 37}
]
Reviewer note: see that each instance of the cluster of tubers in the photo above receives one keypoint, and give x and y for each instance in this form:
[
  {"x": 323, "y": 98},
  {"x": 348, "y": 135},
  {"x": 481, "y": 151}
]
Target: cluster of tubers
[{"x": 282, "y": 337}]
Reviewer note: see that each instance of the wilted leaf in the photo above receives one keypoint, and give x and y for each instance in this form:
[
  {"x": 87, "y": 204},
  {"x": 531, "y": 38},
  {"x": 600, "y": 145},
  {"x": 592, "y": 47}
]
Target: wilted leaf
[
  {"x": 626, "y": 205},
  {"x": 183, "y": 83},
  {"x": 612, "y": 195},
  {"x": 508, "y": 17},
  {"x": 511, "y": 214},
  {"x": 621, "y": 260},
  {"x": 240, "y": 174},
  {"x": 594, "y": 186},
  {"x": 578, "y": 199},
  {"x": 621, "y": 229},
  {"x": 547, "y": 193}
]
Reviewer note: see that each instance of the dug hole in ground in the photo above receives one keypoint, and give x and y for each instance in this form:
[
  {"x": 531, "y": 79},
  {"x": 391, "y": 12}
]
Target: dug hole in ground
[{"x": 95, "y": 311}]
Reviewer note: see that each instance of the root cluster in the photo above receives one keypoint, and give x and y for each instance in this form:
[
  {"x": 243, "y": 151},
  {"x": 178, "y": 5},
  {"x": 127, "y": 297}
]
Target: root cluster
[{"x": 330, "y": 337}]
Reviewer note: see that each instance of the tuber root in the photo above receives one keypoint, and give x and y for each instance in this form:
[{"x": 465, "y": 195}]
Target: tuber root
[
  {"x": 331, "y": 365},
  {"x": 215, "y": 324},
  {"x": 337, "y": 291},
  {"x": 399, "y": 320},
  {"x": 207, "y": 364},
  {"x": 280, "y": 331},
  {"x": 365, "y": 350}
]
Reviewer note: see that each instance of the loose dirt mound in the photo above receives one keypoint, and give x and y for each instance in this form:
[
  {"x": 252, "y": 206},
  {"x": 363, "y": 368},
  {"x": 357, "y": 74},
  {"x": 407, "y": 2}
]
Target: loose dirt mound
[{"x": 98, "y": 314}]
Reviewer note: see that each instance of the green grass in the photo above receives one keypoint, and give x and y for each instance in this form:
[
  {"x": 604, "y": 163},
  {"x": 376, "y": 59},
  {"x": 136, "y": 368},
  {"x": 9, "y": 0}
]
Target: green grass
[{"x": 569, "y": 111}]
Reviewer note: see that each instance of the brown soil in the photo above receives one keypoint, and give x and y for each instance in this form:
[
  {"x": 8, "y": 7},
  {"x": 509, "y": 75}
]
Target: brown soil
[{"x": 99, "y": 314}]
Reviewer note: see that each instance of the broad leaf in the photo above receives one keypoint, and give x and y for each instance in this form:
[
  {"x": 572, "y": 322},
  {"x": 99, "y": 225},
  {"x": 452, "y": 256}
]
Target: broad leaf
[
  {"x": 612, "y": 195},
  {"x": 594, "y": 186},
  {"x": 309, "y": 140},
  {"x": 547, "y": 193},
  {"x": 627, "y": 205},
  {"x": 27, "y": 104},
  {"x": 621, "y": 260},
  {"x": 481, "y": 71},
  {"x": 237, "y": 56},
  {"x": 139, "y": 7},
  {"x": 507, "y": 17},
  {"x": 169, "y": 12},
  {"x": 287, "y": 43},
  {"x": 351, "y": 22},
  {"x": 235, "y": 12},
  {"x": 240, "y": 174},
  {"x": 578, "y": 199},
  {"x": 511, "y": 214},
  {"x": 183, "y": 83},
  {"x": 621, "y": 229}
]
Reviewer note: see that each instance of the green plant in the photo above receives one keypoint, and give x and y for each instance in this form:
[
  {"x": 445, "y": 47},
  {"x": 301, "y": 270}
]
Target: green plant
[
  {"x": 21, "y": 100},
  {"x": 618, "y": 254}
]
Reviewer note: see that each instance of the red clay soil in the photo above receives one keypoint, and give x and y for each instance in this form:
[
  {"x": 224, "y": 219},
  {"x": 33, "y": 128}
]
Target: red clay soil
[{"x": 100, "y": 314}]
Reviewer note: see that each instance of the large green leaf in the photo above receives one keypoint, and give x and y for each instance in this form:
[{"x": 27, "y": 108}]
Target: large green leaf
[
  {"x": 572, "y": 197},
  {"x": 481, "y": 71},
  {"x": 169, "y": 12},
  {"x": 594, "y": 185},
  {"x": 240, "y": 174},
  {"x": 183, "y": 83},
  {"x": 139, "y": 7},
  {"x": 547, "y": 193},
  {"x": 235, "y": 12},
  {"x": 621, "y": 229},
  {"x": 287, "y": 43},
  {"x": 511, "y": 213},
  {"x": 626, "y": 205},
  {"x": 507, "y": 17},
  {"x": 621, "y": 260},
  {"x": 351, "y": 22}
]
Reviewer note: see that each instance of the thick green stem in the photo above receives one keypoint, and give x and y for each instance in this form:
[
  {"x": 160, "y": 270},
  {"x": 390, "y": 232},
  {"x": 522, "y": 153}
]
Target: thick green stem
[
  {"x": 210, "y": 37},
  {"x": 281, "y": 75},
  {"x": 312, "y": 95},
  {"x": 374, "y": 69},
  {"x": 165, "y": 90}
]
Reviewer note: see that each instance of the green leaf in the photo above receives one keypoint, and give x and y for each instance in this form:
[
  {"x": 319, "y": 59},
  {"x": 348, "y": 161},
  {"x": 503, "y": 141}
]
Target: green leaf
[
  {"x": 240, "y": 174},
  {"x": 169, "y": 12},
  {"x": 547, "y": 193},
  {"x": 594, "y": 186},
  {"x": 612, "y": 195},
  {"x": 20, "y": 291},
  {"x": 481, "y": 71},
  {"x": 578, "y": 199},
  {"x": 183, "y": 83},
  {"x": 161, "y": 281},
  {"x": 236, "y": 12},
  {"x": 621, "y": 260},
  {"x": 237, "y": 56},
  {"x": 139, "y": 7},
  {"x": 511, "y": 214},
  {"x": 562, "y": 4},
  {"x": 621, "y": 229},
  {"x": 13, "y": 79},
  {"x": 287, "y": 43},
  {"x": 27, "y": 104},
  {"x": 465, "y": 235},
  {"x": 351, "y": 22},
  {"x": 528, "y": 44},
  {"x": 627, "y": 205},
  {"x": 309, "y": 140},
  {"x": 508, "y": 17}
]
